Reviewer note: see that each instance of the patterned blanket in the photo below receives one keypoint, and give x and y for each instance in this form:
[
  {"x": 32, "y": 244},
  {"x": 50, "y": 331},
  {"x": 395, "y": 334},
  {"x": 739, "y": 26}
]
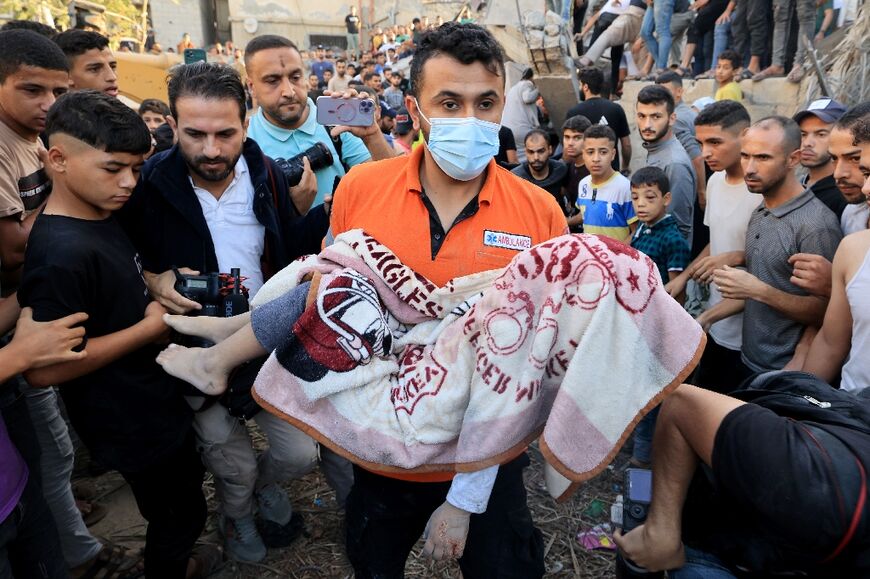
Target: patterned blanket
[{"x": 573, "y": 343}]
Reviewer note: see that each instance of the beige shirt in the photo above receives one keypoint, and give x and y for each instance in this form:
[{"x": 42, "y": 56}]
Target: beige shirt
[
  {"x": 337, "y": 84},
  {"x": 24, "y": 184}
]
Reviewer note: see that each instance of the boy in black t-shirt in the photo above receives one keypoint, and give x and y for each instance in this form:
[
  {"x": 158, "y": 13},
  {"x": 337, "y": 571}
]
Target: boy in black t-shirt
[{"x": 130, "y": 414}]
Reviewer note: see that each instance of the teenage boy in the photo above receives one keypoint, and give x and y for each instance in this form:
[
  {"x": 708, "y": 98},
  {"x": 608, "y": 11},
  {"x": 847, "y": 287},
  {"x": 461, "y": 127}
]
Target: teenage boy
[
  {"x": 726, "y": 71},
  {"x": 729, "y": 206},
  {"x": 656, "y": 117},
  {"x": 154, "y": 113},
  {"x": 541, "y": 170},
  {"x": 91, "y": 62},
  {"x": 604, "y": 197},
  {"x": 816, "y": 122},
  {"x": 131, "y": 416},
  {"x": 657, "y": 235},
  {"x": 572, "y": 155}
]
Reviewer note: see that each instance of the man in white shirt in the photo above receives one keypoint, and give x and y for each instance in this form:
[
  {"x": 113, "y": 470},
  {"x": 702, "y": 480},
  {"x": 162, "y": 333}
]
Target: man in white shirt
[{"x": 729, "y": 207}]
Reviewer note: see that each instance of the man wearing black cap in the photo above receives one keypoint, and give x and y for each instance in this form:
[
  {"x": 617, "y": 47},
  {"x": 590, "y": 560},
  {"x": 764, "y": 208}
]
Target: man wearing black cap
[
  {"x": 816, "y": 123},
  {"x": 403, "y": 132}
]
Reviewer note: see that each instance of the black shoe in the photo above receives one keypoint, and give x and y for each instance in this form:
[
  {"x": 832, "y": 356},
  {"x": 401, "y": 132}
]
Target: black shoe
[{"x": 275, "y": 535}]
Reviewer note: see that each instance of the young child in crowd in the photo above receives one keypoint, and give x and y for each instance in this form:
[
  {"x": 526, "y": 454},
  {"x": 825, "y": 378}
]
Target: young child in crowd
[
  {"x": 604, "y": 198},
  {"x": 659, "y": 237},
  {"x": 572, "y": 155},
  {"x": 726, "y": 72},
  {"x": 132, "y": 416},
  {"x": 154, "y": 113}
]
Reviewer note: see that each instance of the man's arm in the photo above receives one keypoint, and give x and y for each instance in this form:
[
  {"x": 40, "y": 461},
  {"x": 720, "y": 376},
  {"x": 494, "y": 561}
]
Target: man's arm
[
  {"x": 700, "y": 181},
  {"x": 682, "y": 178},
  {"x": 833, "y": 342},
  {"x": 13, "y": 239},
  {"x": 724, "y": 309},
  {"x": 104, "y": 350},
  {"x": 530, "y": 93},
  {"x": 739, "y": 284},
  {"x": 625, "y": 158}
]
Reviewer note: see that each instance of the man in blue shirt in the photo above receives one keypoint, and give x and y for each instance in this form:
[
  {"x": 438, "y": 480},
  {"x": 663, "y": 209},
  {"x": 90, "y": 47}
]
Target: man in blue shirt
[
  {"x": 286, "y": 122},
  {"x": 321, "y": 64}
]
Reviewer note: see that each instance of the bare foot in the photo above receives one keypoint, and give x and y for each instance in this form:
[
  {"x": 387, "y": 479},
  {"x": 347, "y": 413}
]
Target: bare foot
[
  {"x": 651, "y": 549},
  {"x": 195, "y": 366},
  {"x": 208, "y": 327}
]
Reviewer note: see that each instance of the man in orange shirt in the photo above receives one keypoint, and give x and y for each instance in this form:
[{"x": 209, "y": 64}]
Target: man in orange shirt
[{"x": 448, "y": 210}]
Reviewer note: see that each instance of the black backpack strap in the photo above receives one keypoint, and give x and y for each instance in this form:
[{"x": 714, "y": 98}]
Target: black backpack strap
[{"x": 337, "y": 144}]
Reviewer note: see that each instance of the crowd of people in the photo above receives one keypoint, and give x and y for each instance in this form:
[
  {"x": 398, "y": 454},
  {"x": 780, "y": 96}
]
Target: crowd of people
[{"x": 758, "y": 226}]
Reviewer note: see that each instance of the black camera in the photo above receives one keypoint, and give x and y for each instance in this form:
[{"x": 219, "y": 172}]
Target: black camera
[
  {"x": 319, "y": 156},
  {"x": 221, "y": 295},
  {"x": 638, "y": 494}
]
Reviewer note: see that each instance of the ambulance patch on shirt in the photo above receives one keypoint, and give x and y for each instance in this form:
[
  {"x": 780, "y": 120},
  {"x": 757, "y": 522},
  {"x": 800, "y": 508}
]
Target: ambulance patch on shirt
[{"x": 506, "y": 240}]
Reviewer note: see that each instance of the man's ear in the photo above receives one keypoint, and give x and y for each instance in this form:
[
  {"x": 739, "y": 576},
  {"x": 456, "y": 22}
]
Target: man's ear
[
  {"x": 413, "y": 111},
  {"x": 170, "y": 120},
  {"x": 55, "y": 159}
]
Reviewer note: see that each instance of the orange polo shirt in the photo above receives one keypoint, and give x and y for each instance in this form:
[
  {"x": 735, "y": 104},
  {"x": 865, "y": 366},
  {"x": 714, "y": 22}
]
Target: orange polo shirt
[{"x": 385, "y": 199}]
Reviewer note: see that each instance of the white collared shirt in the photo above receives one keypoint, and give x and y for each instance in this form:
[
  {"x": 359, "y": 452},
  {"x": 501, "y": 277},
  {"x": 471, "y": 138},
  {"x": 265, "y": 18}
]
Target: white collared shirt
[{"x": 239, "y": 239}]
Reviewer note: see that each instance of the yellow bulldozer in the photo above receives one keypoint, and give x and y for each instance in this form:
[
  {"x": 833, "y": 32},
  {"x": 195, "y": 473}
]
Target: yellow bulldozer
[{"x": 143, "y": 76}]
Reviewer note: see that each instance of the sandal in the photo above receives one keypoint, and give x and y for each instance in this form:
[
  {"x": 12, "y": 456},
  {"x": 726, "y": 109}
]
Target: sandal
[
  {"x": 206, "y": 560},
  {"x": 112, "y": 562},
  {"x": 684, "y": 72},
  {"x": 745, "y": 75}
]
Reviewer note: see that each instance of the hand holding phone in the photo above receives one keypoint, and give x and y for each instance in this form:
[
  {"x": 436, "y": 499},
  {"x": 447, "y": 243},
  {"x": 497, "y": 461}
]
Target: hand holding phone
[{"x": 351, "y": 112}]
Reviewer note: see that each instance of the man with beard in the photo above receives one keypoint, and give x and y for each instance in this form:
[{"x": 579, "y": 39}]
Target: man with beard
[
  {"x": 539, "y": 169},
  {"x": 846, "y": 156},
  {"x": 816, "y": 122},
  {"x": 211, "y": 203},
  {"x": 655, "y": 121},
  {"x": 286, "y": 123},
  {"x": 789, "y": 221}
]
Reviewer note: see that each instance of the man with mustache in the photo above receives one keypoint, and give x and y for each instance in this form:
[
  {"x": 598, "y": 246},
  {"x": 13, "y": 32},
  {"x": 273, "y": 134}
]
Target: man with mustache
[
  {"x": 789, "y": 221},
  {"x": 655, "y": 121},
  {"x": 816, "y": 123},
  {"x": 91, "y": 62},
  {"x": 211, "y": 203},
  {"x": 846, "y": 156}
]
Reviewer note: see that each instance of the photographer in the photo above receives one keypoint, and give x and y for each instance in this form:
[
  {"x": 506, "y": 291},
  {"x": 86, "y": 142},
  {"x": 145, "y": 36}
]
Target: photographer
[
  {"x": 212, "y": 203},
  {"x": 286, "y": 125}
]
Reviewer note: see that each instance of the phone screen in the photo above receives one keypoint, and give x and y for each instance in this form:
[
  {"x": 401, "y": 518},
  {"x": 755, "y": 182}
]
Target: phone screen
[
  {"x": 192, "y": 55},
  {"x": 639, "y": 485}
]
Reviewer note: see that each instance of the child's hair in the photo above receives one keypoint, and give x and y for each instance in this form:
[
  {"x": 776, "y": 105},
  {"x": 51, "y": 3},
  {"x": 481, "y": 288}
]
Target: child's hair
[
  {"x": 28, "y": 48},
  {"x": 100, "y": 121},
  {"x": 600, "y": 132},
  {"x": 577, "y": 123},
  {"x": 651, "y": 176},
  {"x": 155, "y": 106},
  {"x": 731, "y": 57},
  {"x": 75, "y": 42}
]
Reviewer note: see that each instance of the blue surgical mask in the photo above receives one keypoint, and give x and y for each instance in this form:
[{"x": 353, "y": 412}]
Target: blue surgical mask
[{"x": 462, "y": 147}]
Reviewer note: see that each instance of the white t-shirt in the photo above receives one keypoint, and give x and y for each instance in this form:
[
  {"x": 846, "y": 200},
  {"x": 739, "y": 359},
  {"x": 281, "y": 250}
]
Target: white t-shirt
[
  {"x": 239, "y": 239},
  {"x": 854, "y": 218},
  {"x": 729, "y": 208},
  {"x": 616, "y": 6}
]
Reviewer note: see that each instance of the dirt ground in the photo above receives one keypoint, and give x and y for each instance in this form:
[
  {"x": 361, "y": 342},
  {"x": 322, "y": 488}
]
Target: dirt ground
[{"x": 319, "y": 554}]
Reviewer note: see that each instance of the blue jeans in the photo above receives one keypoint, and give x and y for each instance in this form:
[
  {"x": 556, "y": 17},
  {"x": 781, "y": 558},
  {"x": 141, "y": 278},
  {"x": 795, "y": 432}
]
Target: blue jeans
[
  {"x": 721, "y": 38},
  {"x": 658, "y": 20},
  {"x": 701, "y": 565},
  {"x": 643, "y": 437},
  {"x": 647, "y": 28}
]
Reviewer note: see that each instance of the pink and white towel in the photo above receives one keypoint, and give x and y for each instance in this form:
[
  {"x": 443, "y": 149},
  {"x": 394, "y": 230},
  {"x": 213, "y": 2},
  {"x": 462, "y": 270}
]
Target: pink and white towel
[{"x": 573, "y": 342}]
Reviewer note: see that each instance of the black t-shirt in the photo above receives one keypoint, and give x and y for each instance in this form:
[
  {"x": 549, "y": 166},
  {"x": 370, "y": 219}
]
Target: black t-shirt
[
  {"x": 552, "y": 184},
  {"x": 572, "y": 187},
  {"x": 601, "y": 111},
  {"x": 129, "y": 413},
  {"x": 352, "y": 23},
  {"x": 506, "y": 142},
  {"x": 827, "y": 192}
]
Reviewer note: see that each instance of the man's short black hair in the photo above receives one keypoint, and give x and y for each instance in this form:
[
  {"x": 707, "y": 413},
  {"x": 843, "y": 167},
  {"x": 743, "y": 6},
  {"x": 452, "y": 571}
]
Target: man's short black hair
[
  {"x": 369, "y": 75},
  {"x": 340, "y": 60},
  {"x": 101, "y": 121},
  {"x": 725, "y": 114},
  {"x": 861, "y": 130},
  {"x": 851, "y": 117},
  {"x": 467, "y": 43},
  {"x": 267, "y": 42},
  {"x": 670, "y": 77},
  {"x": 537, "y": 133},
  {"x": 415, "y": 21},
  {"x": 208, "y": 80},
  {"x": 577, "y": 123},
  {"x": 600, "y": 132},
  {"x": 791, "y": 139},
  {"x": 651, "y": 176},
  {"x": 27, "y": 48},
  {"x": 155, "y": 106},
  {"x": 593, "y": 78},
  {"x": 731, "y": 57},
  {"x": 653, "y": 94},
  {"x": 38, "y": 27},
  {"x": 75, "y": 41}
]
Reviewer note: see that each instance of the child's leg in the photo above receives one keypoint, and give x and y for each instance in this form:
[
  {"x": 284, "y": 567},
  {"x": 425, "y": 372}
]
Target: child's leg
[
  {"x": 211, "y": 328},
  {"x": 208, "y": 368}
]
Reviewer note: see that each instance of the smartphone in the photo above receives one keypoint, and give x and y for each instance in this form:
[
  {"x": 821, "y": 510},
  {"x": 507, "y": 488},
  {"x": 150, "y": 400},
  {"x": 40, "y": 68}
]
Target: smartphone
[
  {"x": 355, "y": 112},
  {"x": 192, "y": 55}
]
